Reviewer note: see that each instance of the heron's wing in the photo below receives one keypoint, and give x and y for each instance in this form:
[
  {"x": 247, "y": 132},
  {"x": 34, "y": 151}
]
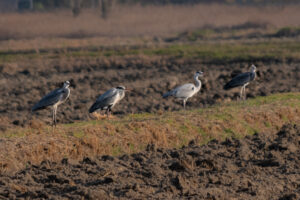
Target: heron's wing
[
  {"x": 238, "y": 80},
  {"x": 106, "y": 99},
  {"x": 183, "y": 91},
  {"x": 167, "y": 94},
  {"x": 48, "y": 100},
  {"x": 108, "y": 94}
]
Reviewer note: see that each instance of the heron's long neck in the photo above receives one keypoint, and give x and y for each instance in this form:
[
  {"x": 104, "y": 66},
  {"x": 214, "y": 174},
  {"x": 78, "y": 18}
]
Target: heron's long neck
[
  {"x": 198, "y": 82},
  {"x": 254, "y": 73},
  {"x": 122, "y": 94}
]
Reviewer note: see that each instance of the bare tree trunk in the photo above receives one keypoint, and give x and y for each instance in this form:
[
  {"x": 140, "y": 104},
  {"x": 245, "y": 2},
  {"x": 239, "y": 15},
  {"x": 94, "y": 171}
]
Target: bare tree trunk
[
  {"x": 106, "y": 6},
  {"x": 24, "y": 4},
  {"x": 95, "y": 3},
  {"x": 76, "y": 7},
  {"x": 16, "y": 5},
  {"x": 30, "y": 4}
]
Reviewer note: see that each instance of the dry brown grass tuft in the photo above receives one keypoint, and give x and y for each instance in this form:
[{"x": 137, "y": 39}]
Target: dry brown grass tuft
[
  {"x": 36, "y": 124},
  {"x": 134, "y": 132}
]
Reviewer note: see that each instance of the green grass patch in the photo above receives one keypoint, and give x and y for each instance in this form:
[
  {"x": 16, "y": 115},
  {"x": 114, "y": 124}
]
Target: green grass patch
[
  {"x": 238, "y": 32},
  {"x": 288, "y": 32},
  {"x": 78, "y": 134},
  {"x": 208, "y": 52}
]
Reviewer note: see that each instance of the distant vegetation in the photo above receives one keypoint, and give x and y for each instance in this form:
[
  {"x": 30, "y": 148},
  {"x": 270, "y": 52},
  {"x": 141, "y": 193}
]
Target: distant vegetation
[
  {"x": 209, "y": 53},
  {"x": 244, "y": 2},
  {"x": 93, "y": 3},
  {"x": 106, "y": 5}
]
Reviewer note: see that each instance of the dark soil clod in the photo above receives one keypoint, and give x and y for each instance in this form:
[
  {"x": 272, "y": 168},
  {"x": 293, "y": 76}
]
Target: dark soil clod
[{"x": 251, "y": 168}]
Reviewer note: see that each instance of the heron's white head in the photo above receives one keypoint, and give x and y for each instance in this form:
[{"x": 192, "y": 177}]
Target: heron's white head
[
  {"x": 199, "y": 73},
  {"x": 66, "y": 84},
  {"x": 253, "y": 68},
  {"x": 121, "y": 87}
]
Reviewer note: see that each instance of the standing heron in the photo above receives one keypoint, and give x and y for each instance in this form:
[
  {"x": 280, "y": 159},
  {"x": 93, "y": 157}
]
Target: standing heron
[
  {"x": 242, "y": 80},
  {"x": 109, "y": 99},
  {"x": 54, "y": 98},
  {"x": 184, "y": 92}
]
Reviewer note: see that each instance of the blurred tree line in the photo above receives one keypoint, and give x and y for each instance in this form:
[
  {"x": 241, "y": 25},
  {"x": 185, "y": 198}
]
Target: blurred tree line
[
  {"x": 105, "y": 6},
  {"x": 48, "y": 4},
  {"x": 76, "y": 5},
  {"x": 244, "y": 2}
]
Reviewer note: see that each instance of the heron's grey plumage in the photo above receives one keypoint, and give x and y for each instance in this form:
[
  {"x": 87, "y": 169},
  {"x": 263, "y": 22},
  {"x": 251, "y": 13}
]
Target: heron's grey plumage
[
  {"x": 109, "y": 99},
  {"x": 184, "y": 92},
  {"x": 242, "y": 80},
  {"x": 54, "y": 98}
]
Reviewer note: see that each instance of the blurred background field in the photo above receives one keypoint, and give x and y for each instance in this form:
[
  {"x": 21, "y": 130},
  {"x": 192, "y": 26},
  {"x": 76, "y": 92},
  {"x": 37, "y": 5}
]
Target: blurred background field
[
  {"x": 54, "y": 25},
  {"x": 151, "y": 47}
]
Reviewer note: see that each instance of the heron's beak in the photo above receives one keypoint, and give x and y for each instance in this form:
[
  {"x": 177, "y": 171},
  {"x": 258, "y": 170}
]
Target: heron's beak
[{"x": 130, "y": 90}]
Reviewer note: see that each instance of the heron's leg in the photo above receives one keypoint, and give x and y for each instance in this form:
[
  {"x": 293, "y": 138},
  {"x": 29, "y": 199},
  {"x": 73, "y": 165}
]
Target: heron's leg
[
  {"x": 110, "y": 112},
  {"x": 53, "y": 117},
  {"x": 55, "y": 111},
  {"x": 107, "y": 112},
  {"x": 184, "y": 102},
  {"x": 244, "y": 92},
  {"x": 241, "y": 93}
]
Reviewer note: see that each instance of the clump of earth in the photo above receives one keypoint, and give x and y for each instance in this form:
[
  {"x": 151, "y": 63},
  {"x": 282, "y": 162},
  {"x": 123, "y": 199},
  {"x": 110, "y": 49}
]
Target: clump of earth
[{"x": 261, "y": 166}]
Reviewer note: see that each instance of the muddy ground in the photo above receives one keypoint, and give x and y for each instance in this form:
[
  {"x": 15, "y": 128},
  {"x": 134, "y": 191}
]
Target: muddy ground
[
  {"x": 23, "y": 84},
  {"x": 262, "y": 166}
]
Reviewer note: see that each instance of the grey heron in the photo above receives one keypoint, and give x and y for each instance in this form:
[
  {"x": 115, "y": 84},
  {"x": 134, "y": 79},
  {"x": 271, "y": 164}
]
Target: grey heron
[
  {"x": 184, "y": 92},
  {"x": 109, "y": 99},
  {"x": 242, "y": 80},
  {"x": 54, "y": 99}
]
